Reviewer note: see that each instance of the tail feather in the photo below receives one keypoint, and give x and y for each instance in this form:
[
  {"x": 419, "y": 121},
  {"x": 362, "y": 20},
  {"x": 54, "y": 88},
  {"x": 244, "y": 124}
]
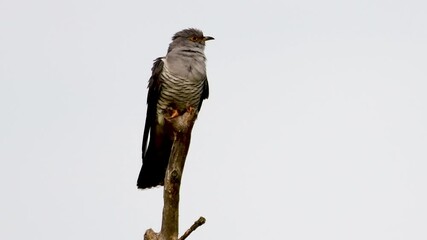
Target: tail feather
[{"x": 154, "y": 165}]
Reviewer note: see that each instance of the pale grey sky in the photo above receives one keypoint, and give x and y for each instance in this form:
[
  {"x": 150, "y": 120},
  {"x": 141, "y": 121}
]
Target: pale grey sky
[{"x": 316, "y": 126}]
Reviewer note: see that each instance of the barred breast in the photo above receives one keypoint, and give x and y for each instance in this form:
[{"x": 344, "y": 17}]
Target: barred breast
[{"x": 182, "y": 78}]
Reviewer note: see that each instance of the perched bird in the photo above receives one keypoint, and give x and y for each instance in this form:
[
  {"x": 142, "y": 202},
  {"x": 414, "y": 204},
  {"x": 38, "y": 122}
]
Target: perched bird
[{"x": 178, "y": 82}]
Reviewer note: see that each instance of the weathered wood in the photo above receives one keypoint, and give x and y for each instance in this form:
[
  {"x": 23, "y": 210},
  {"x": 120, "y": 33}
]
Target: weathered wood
[
  {"x": 182, "y": 127},
  {"x": 151, "y": 235},
  {"x": 195, "y": 225},
  {"x": 182, "y": 135}
]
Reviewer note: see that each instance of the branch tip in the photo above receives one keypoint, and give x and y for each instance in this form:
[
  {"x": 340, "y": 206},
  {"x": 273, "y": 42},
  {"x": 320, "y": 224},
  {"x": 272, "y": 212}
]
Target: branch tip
[{"x": 193, "y": 227}]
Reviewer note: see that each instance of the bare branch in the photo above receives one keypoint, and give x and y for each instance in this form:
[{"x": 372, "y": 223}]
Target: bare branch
[
  {"x": 195, "y": 225},
  {"x": 181, "y": 127},
  {"x": 151, "y": 235}
]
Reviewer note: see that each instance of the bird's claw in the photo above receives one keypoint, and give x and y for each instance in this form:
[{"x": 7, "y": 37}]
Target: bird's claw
[
  {"x": 190, "y": 109},
  {"x": 172, "y": 113}
]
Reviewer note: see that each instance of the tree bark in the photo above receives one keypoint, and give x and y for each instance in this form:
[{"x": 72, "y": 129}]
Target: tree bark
[
  {"x": 182, "y": 127},
  {"x": 181, "y": 143}
]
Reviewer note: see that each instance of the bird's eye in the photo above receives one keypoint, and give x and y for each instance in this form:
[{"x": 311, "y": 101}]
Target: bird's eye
[{"x": 193, "y": 38}]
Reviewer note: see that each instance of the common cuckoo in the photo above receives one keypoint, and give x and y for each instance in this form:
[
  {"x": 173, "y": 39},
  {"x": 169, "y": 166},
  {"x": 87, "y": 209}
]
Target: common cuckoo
[{"x": 178, "y": 82}]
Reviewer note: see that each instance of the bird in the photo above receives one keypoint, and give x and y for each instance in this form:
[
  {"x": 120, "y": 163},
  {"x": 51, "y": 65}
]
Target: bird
[{"x": 178, "y": 82}]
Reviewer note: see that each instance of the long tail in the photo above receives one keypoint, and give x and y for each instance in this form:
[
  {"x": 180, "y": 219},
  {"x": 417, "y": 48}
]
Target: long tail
[{"x": 155, "y": 162}]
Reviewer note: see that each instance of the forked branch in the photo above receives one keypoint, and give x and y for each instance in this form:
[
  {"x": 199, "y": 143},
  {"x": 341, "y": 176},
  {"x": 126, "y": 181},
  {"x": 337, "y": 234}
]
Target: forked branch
[{"x": 181, "y": 126}]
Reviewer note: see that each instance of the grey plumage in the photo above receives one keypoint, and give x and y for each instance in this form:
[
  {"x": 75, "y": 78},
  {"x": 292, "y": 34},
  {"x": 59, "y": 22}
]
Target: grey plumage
[{"x": 178, "y": 82}]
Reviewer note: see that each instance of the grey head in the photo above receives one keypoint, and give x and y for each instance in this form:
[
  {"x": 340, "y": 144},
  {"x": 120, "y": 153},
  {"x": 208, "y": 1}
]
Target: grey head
[{"x": 189, "y": 38}]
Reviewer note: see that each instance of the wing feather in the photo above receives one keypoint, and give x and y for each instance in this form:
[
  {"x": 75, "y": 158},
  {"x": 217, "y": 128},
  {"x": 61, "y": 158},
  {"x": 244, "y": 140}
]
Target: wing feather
[
  {"x": 205, "y": 93},
  {"x": 154, "y": 88}
]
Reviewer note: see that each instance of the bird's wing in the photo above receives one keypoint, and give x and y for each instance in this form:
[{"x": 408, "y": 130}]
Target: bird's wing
[
  {"x": 205, "y": 92},
  {"x": 154, "y": 88}
]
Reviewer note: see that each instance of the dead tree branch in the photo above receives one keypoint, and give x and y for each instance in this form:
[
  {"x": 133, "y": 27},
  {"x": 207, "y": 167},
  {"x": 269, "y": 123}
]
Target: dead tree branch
[
  {"x": 181, "y": 126},
  {"x": 193, "y": 227}
]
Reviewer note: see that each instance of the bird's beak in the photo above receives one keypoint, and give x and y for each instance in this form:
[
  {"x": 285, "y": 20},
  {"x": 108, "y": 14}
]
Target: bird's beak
[{"x": 207, "y": 38}]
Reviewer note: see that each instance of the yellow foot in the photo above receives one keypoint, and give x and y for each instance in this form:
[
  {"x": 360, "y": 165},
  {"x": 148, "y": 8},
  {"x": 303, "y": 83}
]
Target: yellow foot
[
  {"x": 190, "y": 109},
  {"x": 174, "y": 113},
  {"x": 171, "y": 113}
]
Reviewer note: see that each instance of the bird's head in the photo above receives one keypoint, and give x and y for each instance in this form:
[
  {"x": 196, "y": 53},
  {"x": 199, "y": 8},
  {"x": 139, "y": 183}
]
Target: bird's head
[{"x": 190, "y": 37}]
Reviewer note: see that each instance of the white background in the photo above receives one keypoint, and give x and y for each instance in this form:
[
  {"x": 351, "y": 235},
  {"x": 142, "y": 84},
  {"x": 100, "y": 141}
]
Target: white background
[{"x": 316, "y": 125}]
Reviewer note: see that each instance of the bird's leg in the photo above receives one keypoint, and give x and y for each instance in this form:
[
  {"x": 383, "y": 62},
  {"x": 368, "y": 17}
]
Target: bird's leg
[
  {"x": 172, "y": 112},
  {"x": 190, "y": 109}
]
